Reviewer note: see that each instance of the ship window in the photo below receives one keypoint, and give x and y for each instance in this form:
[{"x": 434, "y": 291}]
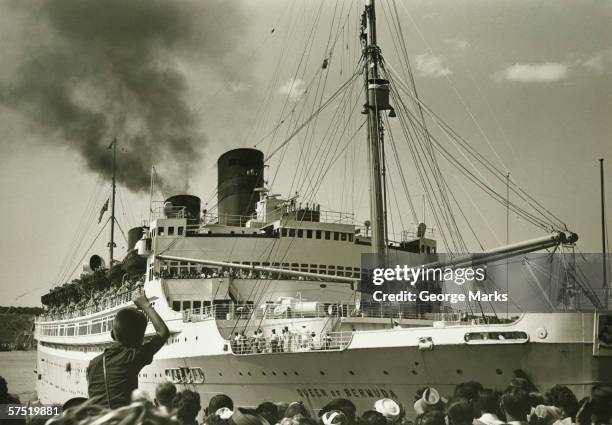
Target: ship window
[
  {"x": 292, "y": 233},
  {"x": 160, "y": 231},
  {"x": 186, "y": 305},
  {"x": 179, "y": 230},
  {"x": 336, "y": 236},
  {"x": 300, "y": 233},
  {"x": 284, "y": 232},
  {"x": 318, "y": 234},
  {"x": 342, "y": 236},
  {"x": 429, "y": 250},
  {"x": 327, "y": 235},
  {"x": 265, "y": 264},
  {"x": 176, "y": 305},
  {"x": 340, "y": 267},
  {"x": 309, "y": 234},
  {"x": 295, "y": 266},
  {"x": 350, "y": 237},
  {"x": 170, "y": 230},
  {"x": 197, "y": 305}
]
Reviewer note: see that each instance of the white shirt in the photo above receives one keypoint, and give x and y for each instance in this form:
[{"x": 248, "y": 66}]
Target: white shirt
[{"x": 490, "y": 419}]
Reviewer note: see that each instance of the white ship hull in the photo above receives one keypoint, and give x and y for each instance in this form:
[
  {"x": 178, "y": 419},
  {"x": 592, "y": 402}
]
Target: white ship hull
[{"x": 375, "y": 363}]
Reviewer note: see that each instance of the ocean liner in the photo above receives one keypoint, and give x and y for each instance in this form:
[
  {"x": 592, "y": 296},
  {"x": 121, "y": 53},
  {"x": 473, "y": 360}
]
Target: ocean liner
[{"x": 265, "y": 297}]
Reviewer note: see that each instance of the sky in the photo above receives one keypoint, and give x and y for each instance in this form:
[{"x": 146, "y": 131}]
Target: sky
[{"x": 528, "y": 84}]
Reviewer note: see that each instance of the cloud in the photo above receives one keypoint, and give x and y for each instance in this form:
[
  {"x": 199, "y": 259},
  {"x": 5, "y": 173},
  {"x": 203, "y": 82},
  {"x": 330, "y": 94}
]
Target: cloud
[
  {"x": 457, "y": 43},
  {"x": 293, "y": 88},
  {"x": 547, "y": 72},
  {"x": 596, "y": 63},
  {"x": 98, "y": 70},
  {"x": 429, "y": 65}
]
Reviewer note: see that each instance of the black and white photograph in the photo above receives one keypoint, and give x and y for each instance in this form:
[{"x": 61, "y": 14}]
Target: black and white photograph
[{"x": 305, "y": 212}]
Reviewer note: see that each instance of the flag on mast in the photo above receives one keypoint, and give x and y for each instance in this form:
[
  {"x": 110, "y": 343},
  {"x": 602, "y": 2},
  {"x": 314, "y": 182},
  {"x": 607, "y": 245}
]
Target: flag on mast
[{"x": 103, "y": 210}]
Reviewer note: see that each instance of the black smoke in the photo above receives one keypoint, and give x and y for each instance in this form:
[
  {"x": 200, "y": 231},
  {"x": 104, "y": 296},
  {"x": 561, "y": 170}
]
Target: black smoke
[{"x": 99, "y": 69}]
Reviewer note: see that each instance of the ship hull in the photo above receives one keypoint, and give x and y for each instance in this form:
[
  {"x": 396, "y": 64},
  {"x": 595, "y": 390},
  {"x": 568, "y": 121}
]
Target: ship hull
[{"x": 360, "y": 373}]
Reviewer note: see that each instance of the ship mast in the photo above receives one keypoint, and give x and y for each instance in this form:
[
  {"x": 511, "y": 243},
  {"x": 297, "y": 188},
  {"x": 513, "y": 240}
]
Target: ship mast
[
  {"x": 111, "y": 244},
  {"x": 375, "y": 130}
]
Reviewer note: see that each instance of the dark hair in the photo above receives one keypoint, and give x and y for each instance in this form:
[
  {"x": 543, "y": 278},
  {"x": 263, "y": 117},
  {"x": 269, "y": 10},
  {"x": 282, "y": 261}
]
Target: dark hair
[
  {"x": 218, "y": 401},
  {"x": 601, "y": 402},
  {"x": 460, "y": 411},
  {"x": 372, "y": 417},
  {"x": 342, "y": 404},
  {"x": 489, "y": 401},
  {"x": 165, "y": 393},
  {"x": 187, "y": 404},
  {"x": 269, "y": 411},
  {"x": 129, "y": 327},
  {"x": 3, "y": 390},
  {"x": 563, "y": 398},
  {"x": 516, "y": 403},
  {"x": 431, "y": 417},
  {"x": 470, "y": 390},
  {"x": 535, "y": 399},
  {"x": 73, "y": 402},
  {"x": 296, "y": 408}
]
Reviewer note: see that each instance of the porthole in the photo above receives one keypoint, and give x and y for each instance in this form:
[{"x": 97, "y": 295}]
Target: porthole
[
  {"x": 249, "y": 373},
  {"x": 274, "y": 373},
  {"x": 351, "y": 372},
  {"x": 263, "y": 373},
  {"x": 295, "y": 373},
  {"x": 414, "y": 372},
  {"x": 220, "y": 374},
  {"x": 322, "y": 373},
  {"x": 285, "y": 373},
  {"x": 416, "y": 363},
  {"x": 240, "y": 373},
  {"x": 459, "y": 372},
  {"x": 499, "y": 371},
  {"x": 385, "y": 372}
]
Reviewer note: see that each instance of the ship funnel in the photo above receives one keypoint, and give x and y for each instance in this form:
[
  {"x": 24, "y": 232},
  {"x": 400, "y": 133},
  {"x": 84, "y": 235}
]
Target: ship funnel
[
  {"x": 96, "y": 262},
  {"x": 240, "y": 172},
  {"x": 183, "y": 206}
]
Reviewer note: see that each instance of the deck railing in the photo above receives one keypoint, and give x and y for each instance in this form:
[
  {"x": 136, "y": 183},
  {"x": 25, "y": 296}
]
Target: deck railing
[
  {"x": 290, "y": 342},
  {"x": 231, "y": 311}
]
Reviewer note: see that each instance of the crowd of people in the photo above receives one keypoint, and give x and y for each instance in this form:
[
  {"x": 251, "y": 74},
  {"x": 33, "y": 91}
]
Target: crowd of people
[
  {"x": 469, "y": 404},
  {"x": 96, "y": 301},
  {"x": 285, "y": 341}
]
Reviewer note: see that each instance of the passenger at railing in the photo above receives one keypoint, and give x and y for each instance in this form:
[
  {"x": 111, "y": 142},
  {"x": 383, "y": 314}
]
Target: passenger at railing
[
  {"x": 275, "y": 342},
  {"x": 310, "y": 341},
  {"x": 260, "y": 341},
  {"x": 285, "y": 340}
]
